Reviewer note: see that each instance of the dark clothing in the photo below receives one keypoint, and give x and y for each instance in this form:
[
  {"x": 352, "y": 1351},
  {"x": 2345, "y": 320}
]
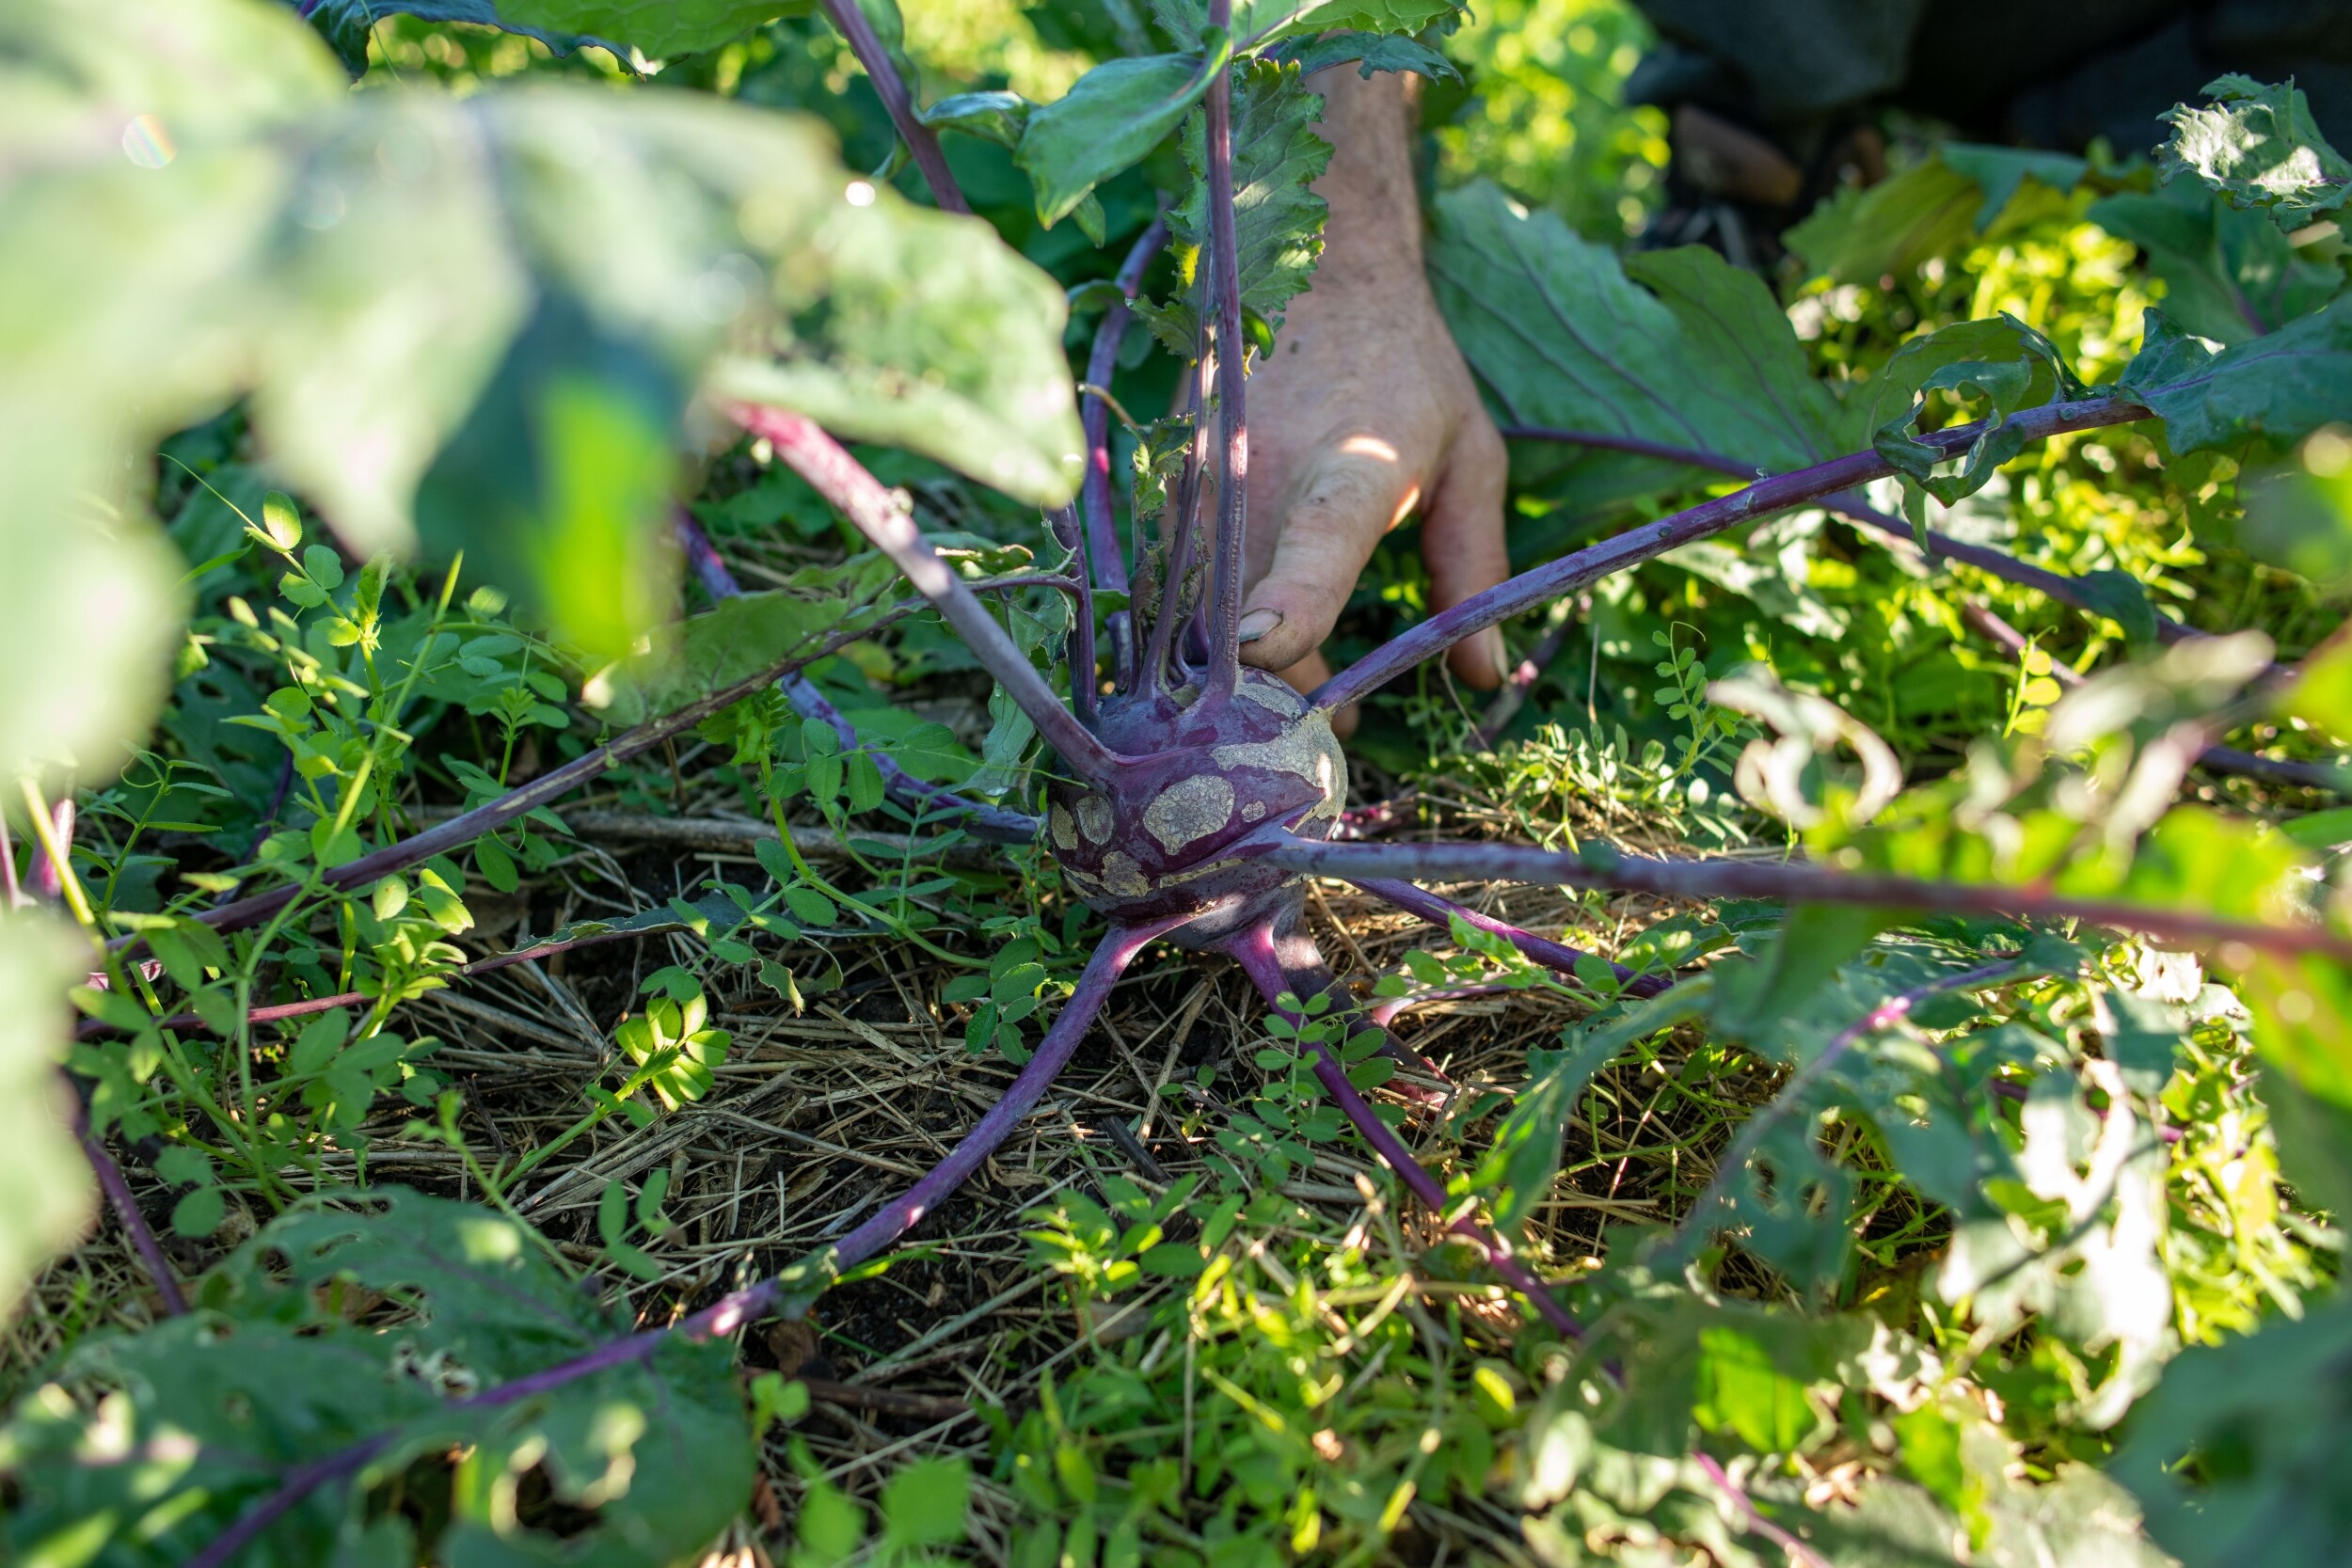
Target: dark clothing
[{"x": 2051, "y": 73}]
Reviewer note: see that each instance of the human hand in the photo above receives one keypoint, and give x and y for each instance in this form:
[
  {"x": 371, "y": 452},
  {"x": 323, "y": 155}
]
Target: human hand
[{"x": 1366, "y": 414}]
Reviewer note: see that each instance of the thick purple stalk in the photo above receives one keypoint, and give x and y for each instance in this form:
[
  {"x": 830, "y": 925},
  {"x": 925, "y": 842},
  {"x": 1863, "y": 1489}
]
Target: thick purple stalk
[
  {"x": 990, "y": 822},
  {"x": 1804, "y": 487},
  {"x": 843, "y": 480},
  {"x": 747, "y": 1306},
  {"x": 850, "y": 19},
  {"x": 1070, "y": 533},
  {"x": 543, "y": 790},
  {"x": 1102, "y": 530},
  {"x": 1551, "y": 955},
  {"x": 1779, "y": 881},
  {"x": 1176, "y": 540},
  {"x": 1224, "y": 288},
  {"x": 126, "y": 1208},
  {"x": 1700, "y": 1222},
  {"x": 1253, "y": 949},
  {"x": 1118, "y": 950},
  {"x": 1988, "y": 560}
]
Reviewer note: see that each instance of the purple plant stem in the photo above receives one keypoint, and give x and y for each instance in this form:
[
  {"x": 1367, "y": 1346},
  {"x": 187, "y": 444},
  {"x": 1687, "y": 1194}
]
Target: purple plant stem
[
  {"x": 990, "y": 822},
  {"x": 48, "y": 875},
  {"x": 545, "y": 790},
  {"x": 1758, "y": 1520},
  {"x": 1996, "y": 563},
  {"x": 1176, "y": 541},
  {"x": 850, "y": 19},
  {"x": 1102, "y": 530},
  {"x": 1985, "y": 559},
  {"x": 843, "y": 480},
  {"x": 732, "y": 1313},
  {"x": 1551, "y": 955},
  {"x": 1224, "y": 286},
  {"x": 1607, "y": 867},
  {"x": 1778, "y": 494},
  {"x": 126, "y": 1208},
  {"x": 1062, "y": 521},
  {"x": 1116, "y": 951},
  {"x": 2224, "y": 759},
  {"x": 1700, "y": 1221},
  {"x": 1253, "y": 949}
]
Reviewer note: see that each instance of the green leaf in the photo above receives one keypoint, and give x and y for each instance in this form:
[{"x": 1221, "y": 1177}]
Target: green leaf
[
  {"x": 366, "y": 302},
  {"x": 2228, "y": 275},
  {"x": 1859, "y": 236},
  {"x": 2265, "y": 1417},
  {"x": 199, "y": 1213},
  {"x": 1561, "y": 335},
  {"x": 2001, "y": 361},
  {"x": 652, "y": 1456},
  {"x": 657, "y": 31},
  {"x": 998, "y": 116},
  {"x": 496, "y": 865},
  {"x": 2259, "y": 146},
  {"x": 2120, "y": 597},
  {"x": 928, "y": 332},
  {"x": 1520, "y": 1166},
  {"x": 1370, "y": 16},
  {"x": 1373, "y": 52},
  {"x": 560, "y": 476},
  {"x": 2001, "y": 171},
  {"x": 2077, "y": 1516},
  {"x": 1278, "y": 221},
  {"x": 1108, "y": 119},
  {"x": 1755, "y": 995},
  {"x": 923, "y": 1504},
  {"x": 2279, "y": 388},
  {"x": 689, "y": 659},
  {"x": 2321, "y": 691},
  {"x": 281, "y": 520},
  {"x": 1742, "y": 1390},
  {"x": 668, "y": 1037}
]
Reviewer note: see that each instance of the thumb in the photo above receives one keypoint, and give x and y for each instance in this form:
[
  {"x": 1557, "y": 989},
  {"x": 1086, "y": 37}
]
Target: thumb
[
  {"x": 1327, "y": 537},
  {"x": 1462, "y": 543}
]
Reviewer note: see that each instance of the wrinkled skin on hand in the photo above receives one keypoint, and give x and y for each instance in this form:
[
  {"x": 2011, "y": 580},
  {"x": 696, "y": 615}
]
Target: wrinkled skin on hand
[{"x": 1366, "y": 413}]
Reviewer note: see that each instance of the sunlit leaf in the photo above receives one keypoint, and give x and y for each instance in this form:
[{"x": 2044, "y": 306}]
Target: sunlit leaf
[
  {"x": 1278, "y": 220},
  {"x": 1111, "y": 117},
  {"x": 2258, "y": 145}
]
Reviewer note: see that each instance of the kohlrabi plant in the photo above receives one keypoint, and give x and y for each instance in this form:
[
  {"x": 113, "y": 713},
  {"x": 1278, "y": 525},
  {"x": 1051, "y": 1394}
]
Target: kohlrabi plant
[{"x": 480, "y": 327}]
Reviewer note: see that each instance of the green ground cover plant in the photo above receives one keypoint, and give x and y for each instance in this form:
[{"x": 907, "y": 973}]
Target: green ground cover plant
[{"x": 569, "y": 613}]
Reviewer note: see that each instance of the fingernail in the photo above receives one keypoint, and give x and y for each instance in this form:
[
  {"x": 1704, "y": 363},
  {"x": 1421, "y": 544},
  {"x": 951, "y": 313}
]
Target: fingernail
[{"x": 1258, "y": 622}]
